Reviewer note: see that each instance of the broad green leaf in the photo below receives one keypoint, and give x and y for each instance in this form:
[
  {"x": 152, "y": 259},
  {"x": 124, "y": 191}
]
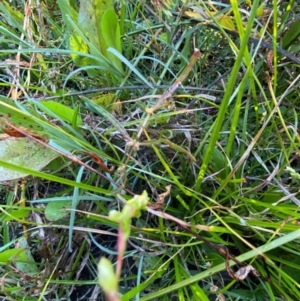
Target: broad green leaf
[
  {"x": 21, "y": 257},
  {"x": 89, "y": 21},
  {"x": 26, "y": 263},
  {"x": 62, "y": 111},
  {"x": 85, "y": 35},
  {"x": 79, "y": 42},
  {"x": 291, "y": 35},
  {"x": 64, "y": 140},
  {"x": 23, "y": 152},
  {"x": 57, "y": 210},
  {"x": 30, "y": 121},
  {"x": 76, "y": 43},
  {"x": 110, "y": 30},
  {"x": 10, "y": 112},
  {"x": 10, "y": 255}
]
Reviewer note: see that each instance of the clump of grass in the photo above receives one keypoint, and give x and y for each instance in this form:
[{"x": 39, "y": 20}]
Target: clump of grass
[{"x": 216, "y": 150}]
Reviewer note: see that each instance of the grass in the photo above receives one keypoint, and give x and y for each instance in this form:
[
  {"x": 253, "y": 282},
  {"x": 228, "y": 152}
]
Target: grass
[{"x": 179, "y": 167}]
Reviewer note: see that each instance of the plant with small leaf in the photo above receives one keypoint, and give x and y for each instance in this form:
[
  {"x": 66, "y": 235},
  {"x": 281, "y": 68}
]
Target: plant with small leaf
[
  {"x": 94, "y": 38},
  {"x": 107, "y": 279}
]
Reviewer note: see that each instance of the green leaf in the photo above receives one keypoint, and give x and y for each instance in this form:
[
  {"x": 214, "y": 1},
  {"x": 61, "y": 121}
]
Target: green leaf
[
  {"x": 23, "y": 152},
  {"x": 260, "y": 10},
  {"x": 107, "y": 278},
  {"x": 214, "y": 258},
  {"x": 138, "y": 202},
  {"x": 12, "y": 15},
  {"x": 115, "y": 215},
  {"x": 104, "y": 100},
  {"x": 77, "y": 44},
  {"x": 293, "y": 269},
  {"x": 57, "y": 210},
  {"x": 21, "y": 257},
  {"x": 291, "y": 34},
  {"x": 67, "y": 9},
  {"x": 14, "y": 214},
  {"x": 10, "y": 112},
  {"x": 294, "y": 48},
  {"x": 89, "y": 21},
  {"x": 226, "y": 22},
  {"x": 106, "y": 115},
  {"x": 110, "y": 30},
  {"x": 10, "y": 255},
  {"x": 26, "y": 263},
  {"x": 62, "y": 111},
  {"x": 67, "y": 13},
  {"x": 76, "y": 41}
]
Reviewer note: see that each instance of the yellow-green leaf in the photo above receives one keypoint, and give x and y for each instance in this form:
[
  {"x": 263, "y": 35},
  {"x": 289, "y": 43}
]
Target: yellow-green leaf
[{"x": 226, "y": 22}]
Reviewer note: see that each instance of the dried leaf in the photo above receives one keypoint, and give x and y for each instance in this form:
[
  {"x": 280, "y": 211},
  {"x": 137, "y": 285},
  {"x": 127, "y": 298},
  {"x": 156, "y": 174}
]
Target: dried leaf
[
  {"x": 243, "y": 272},
  {"x": 101, "y": 163},
  {"x": 160, "y": 199},
  {"x": 270, "y": 60}
]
